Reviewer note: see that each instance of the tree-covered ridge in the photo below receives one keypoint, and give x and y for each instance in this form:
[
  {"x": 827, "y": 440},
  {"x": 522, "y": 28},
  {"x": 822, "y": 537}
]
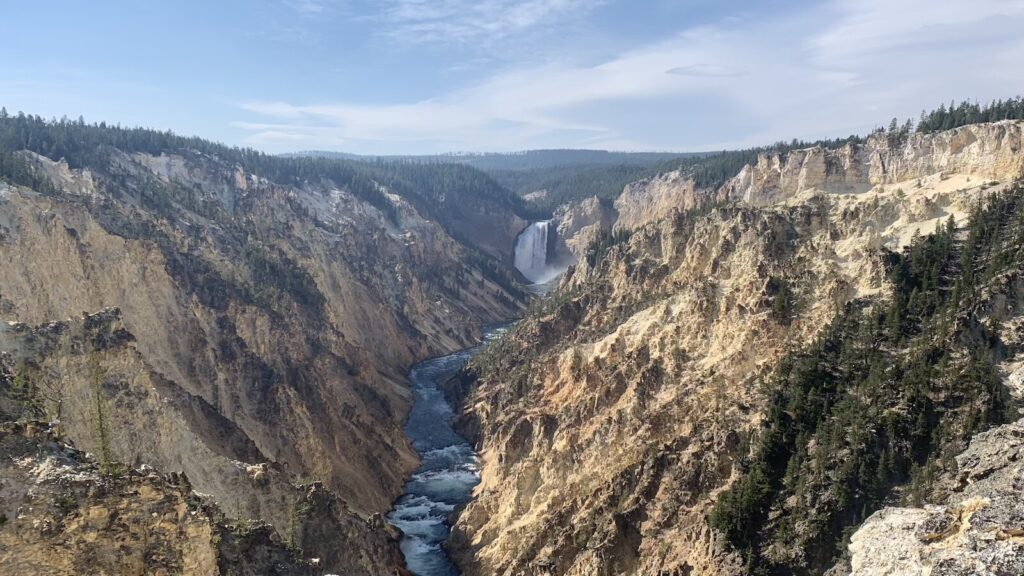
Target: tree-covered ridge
[
  {"x": 524, "y": 161},
  {"x": 90, "y": 146},
  {"x": 428, "y": 184},
  {"x": 570, "y": 183},
  {"x": 431, "y": 188},
  {"x": 712, "y": 170},
  {"x": 882, "y": 400},
  {"x": 564, "y": 184},
  {"x": 966, "y": 113},
  {"x": 575, "y": 181}
]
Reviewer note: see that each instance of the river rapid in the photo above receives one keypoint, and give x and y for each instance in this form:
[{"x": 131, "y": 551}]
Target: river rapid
[{"x": 448, "y": 472}]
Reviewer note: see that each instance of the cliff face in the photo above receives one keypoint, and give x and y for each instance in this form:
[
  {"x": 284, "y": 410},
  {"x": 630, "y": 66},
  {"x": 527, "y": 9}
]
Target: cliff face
[
  {"x": 620, "y": 413},
  {"x": 103, "y": 393},
  {"x": 654, "y": 198},
  {"x": 578, "y": 224},
  {"x": 611, "y": 419},
  {"x": 261, "y": 334},
  {"x": 980, "y": 151}
]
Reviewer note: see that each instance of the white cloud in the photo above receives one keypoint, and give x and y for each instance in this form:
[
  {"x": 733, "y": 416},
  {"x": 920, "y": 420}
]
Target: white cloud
[
  {"x": 870, "y": 27},
  {"x": 476, "y": 21},
  {"x": 817, "y": 73}
]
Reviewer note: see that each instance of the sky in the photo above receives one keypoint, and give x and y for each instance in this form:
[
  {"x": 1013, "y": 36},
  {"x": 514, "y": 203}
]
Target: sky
[{"x": 430, "y": 76}]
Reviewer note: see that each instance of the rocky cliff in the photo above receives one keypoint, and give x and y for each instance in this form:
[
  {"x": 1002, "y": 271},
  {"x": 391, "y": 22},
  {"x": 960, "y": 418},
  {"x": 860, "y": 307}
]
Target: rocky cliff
[
  {"x": 977, "y": 529},
  {"x": 979, "y": 151},
  {"x": 578, "y": 224},
  {"x": 654, "y": 198},
  {"x": 89, "y": 373},
  {"x": 611, "y": 419},
  {"x": 60, "y": 513},
  {"x": 250, "y": 330}
]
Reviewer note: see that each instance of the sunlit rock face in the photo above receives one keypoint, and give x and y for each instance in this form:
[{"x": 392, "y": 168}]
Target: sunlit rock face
[
  {"x": 579, "y": 224},
  {"x": 976, "y": 530},
  {"x": 609, "y": 422}
]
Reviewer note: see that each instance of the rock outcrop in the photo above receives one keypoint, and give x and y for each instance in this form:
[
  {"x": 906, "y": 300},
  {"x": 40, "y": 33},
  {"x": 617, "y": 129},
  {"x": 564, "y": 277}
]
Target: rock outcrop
[
  {"x": 652, "y": 199},
  {"x": 979, "y": 152},
  {"x": 579, "y": 223},
  {"x": 978, "y": 529},
  {"x": 982, "y": 151},
  {"x": 90, "y": 373},
  {"x": 61, "y": 514}
]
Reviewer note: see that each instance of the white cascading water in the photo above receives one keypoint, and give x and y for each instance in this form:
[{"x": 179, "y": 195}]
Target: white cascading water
[{"x": 531, "y": 255}]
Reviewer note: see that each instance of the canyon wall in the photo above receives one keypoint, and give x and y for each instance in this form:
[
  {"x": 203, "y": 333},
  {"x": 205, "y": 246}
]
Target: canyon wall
[
  {"x": 981, "y": 151},
  {"x": 252, "y": 335},
  {"x": 610, "y": 420},
  {"x": 579, "y": 224}
]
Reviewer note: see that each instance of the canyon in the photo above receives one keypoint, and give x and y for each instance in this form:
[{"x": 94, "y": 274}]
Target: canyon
[
  {"x": 177, "y": 311},
  {"x": 215, "y": 347}
]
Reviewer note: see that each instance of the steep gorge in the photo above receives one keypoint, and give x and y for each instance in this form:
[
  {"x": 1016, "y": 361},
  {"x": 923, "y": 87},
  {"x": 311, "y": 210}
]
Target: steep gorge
[
  {"x": 184, "y": 312},
  {"x": 248, "y": 322}
]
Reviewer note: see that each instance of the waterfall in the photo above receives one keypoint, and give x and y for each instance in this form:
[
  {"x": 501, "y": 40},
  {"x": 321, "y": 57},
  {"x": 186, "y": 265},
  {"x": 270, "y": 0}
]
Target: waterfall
[{"x": 531, "y": 255}]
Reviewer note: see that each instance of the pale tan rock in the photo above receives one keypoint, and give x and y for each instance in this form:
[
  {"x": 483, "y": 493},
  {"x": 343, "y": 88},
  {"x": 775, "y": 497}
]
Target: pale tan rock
[
  {"x": 613, "y": 422},
  {"x": 980, "y": 152},
  {"x": 579, "y": 223},
  {"x": 978, "y": 530},
  {"x": 654, "y": 198}
]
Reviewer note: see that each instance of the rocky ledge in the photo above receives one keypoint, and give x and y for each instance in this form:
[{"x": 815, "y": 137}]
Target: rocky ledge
[
  {"x": 61, "y": 512},
  {"x": 978, "y": 529}
]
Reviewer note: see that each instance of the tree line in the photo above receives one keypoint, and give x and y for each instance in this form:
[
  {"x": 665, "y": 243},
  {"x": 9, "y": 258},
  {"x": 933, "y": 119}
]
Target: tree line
[
  {"x": 90, "y": 146},
  {"x": 965, "y": 113}
]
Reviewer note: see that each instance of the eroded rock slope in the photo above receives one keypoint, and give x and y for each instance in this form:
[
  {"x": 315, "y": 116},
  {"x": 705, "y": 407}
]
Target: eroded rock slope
[
  {"x": 612, "y": 419},
  {"x": 247, "y": 327}
]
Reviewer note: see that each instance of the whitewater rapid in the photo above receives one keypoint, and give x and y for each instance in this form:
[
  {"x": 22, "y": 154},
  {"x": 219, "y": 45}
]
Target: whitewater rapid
[{"x": 448, "y": 472}]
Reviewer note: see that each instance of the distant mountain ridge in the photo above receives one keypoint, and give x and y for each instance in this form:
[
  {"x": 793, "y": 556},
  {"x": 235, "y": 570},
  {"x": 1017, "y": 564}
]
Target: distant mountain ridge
[{"x": 523, "y": 160}]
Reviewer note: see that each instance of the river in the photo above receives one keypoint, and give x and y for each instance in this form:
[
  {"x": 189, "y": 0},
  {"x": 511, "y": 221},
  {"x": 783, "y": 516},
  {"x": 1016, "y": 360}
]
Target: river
[{"x": 448, "y": 472}]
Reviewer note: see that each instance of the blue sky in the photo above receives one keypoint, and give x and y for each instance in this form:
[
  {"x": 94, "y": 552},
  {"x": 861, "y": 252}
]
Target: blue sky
[{"x": 426, "y": 76}]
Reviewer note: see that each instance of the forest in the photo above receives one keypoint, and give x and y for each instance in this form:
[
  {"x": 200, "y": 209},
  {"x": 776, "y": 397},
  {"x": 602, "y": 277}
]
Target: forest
[
  {"x": 443, "y": 192},
  {"x": 565, "y": 175},
  {"x": 569, "y": 183},
  {"x": 965, "y": 113},
  {"x": 90, "y": 146},
  {"x": 879, "y": 404},
  {"x": 526, "y": 160}
]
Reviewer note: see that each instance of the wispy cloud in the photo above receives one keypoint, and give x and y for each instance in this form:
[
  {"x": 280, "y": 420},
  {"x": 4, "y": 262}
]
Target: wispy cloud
[
  {"x": 812, "y": 73},
  {"x": 313, "y": 7},
  {"x": 476, "y": 21},
  {"x": 704, "y": 70},
  {"x": 870, "y": 27}
]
